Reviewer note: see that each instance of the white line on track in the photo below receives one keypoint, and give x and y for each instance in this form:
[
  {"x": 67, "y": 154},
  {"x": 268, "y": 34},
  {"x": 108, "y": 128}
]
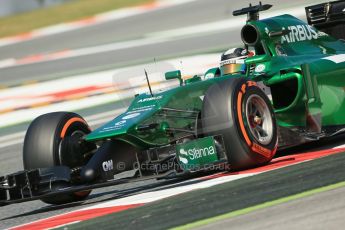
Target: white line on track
[
  {"x": 158, "y": 37},
  {"x": 223, "y": 25},
  {"x": 339, "y": 147},
  {"x": 15, "y": 117},
  {"x": 12, "y": 136},
  {"x": 148, "y": 197},
  {"x": 161, "y": 193},
  {"x": 93, "y": 120},
  {"x": 13, "y": 142},
  {"x": 97, "y": 19},
  {"x": 144, "y": 198},
  {"x": 39, "y": 97}
]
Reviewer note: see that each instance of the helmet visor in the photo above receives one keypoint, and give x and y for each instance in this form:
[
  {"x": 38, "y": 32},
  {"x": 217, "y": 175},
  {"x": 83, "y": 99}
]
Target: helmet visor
[{"x": 233, "y": 68}]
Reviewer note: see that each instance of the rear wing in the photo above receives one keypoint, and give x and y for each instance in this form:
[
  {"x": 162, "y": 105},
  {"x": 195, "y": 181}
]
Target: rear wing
[{"x": 328, "y": 17}]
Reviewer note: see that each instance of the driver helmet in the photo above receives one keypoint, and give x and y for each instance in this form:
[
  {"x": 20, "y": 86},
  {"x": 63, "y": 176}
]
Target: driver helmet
[{"x": 232, "y": 61}]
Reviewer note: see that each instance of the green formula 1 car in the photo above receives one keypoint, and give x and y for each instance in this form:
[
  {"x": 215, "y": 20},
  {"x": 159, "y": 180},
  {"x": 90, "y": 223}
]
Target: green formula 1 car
[{"x": 290, "y": 91}]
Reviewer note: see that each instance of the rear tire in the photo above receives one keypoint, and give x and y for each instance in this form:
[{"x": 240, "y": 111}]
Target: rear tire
[
  {"x": 239, "y": 111},
  {"x": 42, "y": 147}
]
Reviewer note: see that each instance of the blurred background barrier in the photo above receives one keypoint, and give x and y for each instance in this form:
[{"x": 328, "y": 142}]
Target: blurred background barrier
[{"x": 9, "y": 7}]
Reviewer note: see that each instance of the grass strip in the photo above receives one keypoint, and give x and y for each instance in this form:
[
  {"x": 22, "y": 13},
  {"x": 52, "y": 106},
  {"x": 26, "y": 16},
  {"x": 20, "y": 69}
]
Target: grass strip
[
  {"x": 70, "y": 11},
  {"x": 258, "y": 207}
]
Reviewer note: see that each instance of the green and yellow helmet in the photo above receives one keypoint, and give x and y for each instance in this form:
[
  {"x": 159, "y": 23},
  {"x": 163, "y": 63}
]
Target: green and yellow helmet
[{"x": 232, "y": 61}]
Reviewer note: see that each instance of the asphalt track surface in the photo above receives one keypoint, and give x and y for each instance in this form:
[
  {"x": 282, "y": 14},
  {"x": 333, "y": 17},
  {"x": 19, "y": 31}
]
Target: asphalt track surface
[
  {"x": 240, "y": 194},
  {"x": 188, "y": 14},
  {"x": 136, "y": 27},
  {"x": 320, "y": 211},
  {"x": 280, "y": 182},
  {"x": 188, "y": 207}
]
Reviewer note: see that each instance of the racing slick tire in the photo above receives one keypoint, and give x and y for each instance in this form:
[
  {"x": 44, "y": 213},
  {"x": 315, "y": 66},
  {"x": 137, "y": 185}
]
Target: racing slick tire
[
  {"x": 43, "y": 147},
  {"x": 241, "y": 112}
]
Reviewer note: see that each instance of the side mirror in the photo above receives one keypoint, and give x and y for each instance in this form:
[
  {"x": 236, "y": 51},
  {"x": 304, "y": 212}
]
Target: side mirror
[
  {"x": 212, "y": 73},
  {"x": 257, "y": 59},
  {"x": 174, "y": 75}
]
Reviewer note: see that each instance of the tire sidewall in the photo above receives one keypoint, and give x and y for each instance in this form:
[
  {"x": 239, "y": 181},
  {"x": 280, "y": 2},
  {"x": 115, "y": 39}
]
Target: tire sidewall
[
  {"x": 260, "y": 153},
  {"x": 42, "y": 143},
  {"x": 79, "y": 125},
  {"x": 43, "y": 137},
  {"x": 220, "y": 115}
]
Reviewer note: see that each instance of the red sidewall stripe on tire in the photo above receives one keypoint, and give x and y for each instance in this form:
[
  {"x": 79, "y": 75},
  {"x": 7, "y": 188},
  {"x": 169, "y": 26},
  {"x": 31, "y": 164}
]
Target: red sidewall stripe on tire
[
  {"x": 62, "y": 135},
  {"x": 69, "y": 123},
  {"x": 240, "y": 119},
  {"x": 267, "y": 153}
]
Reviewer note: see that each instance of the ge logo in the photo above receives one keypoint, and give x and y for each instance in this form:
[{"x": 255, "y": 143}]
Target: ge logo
[
  {"x": 108, "y": 165},
  {"x": 130, "y": 116},
  {"x": 120, "y": 123}
]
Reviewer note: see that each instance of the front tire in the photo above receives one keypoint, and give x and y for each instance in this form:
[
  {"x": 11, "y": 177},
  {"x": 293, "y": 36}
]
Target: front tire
[
  {"x": 43, "y": 147},
  {"x": 239, "y": 111}
]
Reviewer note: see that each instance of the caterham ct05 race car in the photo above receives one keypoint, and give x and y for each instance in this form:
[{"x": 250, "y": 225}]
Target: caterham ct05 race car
[{"x": 288, "y": 90}]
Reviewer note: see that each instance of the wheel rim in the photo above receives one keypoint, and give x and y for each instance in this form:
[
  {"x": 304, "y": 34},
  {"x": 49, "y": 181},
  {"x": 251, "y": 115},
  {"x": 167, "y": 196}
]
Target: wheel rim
[
  {"x": 74, "y": 133},
  {"x": 259, "y": 119}
]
